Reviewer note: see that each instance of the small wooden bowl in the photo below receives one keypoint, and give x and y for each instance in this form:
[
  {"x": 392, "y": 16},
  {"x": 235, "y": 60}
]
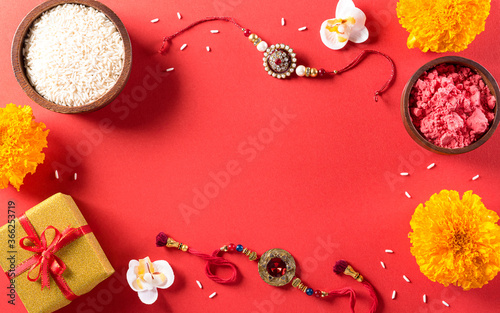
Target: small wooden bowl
[
  {"x": 405, "y": 102},
  {"x": 20, "y": 71}
]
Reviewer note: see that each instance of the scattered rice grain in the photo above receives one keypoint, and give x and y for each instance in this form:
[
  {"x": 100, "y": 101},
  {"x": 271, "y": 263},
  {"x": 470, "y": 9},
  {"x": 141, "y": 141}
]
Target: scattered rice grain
[
  {"x": 155, "y": 20},
  {"x": 282, "y": 21},
  {"x": 407, "y": 195},
  {"x": 383, "y": 264},
  {"x": 75, "y": 176},
  {"x": 404, "y": 174},
  {"x": 424, "y": 298},
  {"x": 475, "y": 177},
  {"x": 184, "y": 46},
  {"x": 212, "y": 295},
  {"x": 406, "y": 278},
  {"x": 199, "y": 284},
  {"x": 170, "y": 69},
  {"x": 302, "y": 28},
  {"x": 393, "y": 294},
  {"x": 208, "y": 48},
  {"x": 445, "y": 303},
  {"x": 389, "y": 251},
  {"x": 57, "y": 174},
  {"x": 214, "y": 31},
  {"x": 431, "y": 166},
  {"x": 179, "y": 15}
]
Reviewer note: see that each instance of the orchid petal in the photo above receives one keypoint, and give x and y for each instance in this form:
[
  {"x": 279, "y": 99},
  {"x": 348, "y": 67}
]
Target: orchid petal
[
  {"x": 131, "y": 274},
  {"x": 359, "y": 36},
  {"x": 163, "y": 267},
  {"x": 343, "y": 8},
  {"x": 359, "y": 16},
  {"x": 331, "y": 38},
  {"x": 148, "y": 278},
  {"x": 148, "y": 296}
]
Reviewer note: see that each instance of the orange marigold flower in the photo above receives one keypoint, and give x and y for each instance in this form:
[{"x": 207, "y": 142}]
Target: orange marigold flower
[
  {"x": 442, "y": 25},
  {"x": 21, "y": 144},
  {"x": 456, "y": 241}
]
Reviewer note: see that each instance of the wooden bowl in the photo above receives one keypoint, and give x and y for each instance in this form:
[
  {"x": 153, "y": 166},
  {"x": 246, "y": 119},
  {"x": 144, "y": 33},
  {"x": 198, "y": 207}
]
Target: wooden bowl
[
  {"x": 18, "y": 58},
  {"x": 405, "y": 102}
]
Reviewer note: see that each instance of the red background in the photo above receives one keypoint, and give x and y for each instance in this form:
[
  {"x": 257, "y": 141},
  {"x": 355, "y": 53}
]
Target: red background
[{"x": 325, "y": 186}]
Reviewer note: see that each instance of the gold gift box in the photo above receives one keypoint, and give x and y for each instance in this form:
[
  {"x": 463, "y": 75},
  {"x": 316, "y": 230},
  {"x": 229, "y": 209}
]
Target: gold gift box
[{"x": 86, "y": 263}]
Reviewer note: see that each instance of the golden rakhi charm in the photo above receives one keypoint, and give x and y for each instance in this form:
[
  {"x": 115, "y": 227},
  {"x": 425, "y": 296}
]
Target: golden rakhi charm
[{"x": 277, "y": 267}]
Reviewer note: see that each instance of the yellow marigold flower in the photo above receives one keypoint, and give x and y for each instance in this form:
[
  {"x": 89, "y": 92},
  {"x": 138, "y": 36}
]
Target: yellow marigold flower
[
  {"x": 21, "y": 144},
  {"x": 442, "y": 25},
  {"x": 456, "y": 241}
]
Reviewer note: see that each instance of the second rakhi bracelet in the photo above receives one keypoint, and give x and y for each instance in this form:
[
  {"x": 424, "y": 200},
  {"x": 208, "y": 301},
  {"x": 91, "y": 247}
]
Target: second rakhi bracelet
[{"x": 276, "y": 267}]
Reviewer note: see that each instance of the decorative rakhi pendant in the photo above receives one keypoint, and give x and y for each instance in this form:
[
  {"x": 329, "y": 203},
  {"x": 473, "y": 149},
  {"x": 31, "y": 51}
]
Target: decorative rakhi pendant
[
  {"x": 279, "y": 61},
  {"x": 277, "y": 267}
]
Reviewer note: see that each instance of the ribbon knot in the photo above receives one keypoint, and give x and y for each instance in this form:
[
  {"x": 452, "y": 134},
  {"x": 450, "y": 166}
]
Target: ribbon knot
[{"x": 44, "y": 263}]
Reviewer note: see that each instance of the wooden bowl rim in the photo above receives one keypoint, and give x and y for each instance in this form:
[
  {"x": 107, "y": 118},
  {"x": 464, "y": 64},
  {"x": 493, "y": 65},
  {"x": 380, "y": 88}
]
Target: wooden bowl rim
[
  {"x": 488, "y": 79},
  {"x": 20, "y": 71}
]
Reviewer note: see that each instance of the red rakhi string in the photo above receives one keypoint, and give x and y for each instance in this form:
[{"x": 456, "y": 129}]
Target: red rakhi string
[
  {"x": 44, "y": 261},
  {"x": 206, "y": 19},
  {"x": 359, "y": 58},
  {"x": 213, "y": 260},
  {"x": 162, "y": 240},
  {"x": 339, "y": 268}
]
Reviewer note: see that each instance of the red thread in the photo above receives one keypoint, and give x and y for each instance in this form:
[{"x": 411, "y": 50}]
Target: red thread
[
  {"x": 215, "y": 260},
  {"x": 373, "y": 294},
  {"x": 206, "y": 19},
  {"x": 359, "y": 58},
  {"x": 339, "y": 268},
  {"x": 344, "y": 292}
]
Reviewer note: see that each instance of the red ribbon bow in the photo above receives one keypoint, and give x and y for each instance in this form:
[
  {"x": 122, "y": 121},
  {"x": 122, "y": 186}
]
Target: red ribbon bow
[{"x": 44, "y": 261}]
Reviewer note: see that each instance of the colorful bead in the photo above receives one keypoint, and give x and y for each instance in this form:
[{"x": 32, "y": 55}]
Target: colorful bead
[
  {"x": 231, "y": 247},
  {"x": 239, "y": 248},
  {"x": 309, "y": 292},
  {"x": 247, "y": 32},
  {"x": 321, "y": 72},
  {"x": 314, "y": 72},
  {"x": 301, "y": 70},
  {"x": 318, "y": 293}
]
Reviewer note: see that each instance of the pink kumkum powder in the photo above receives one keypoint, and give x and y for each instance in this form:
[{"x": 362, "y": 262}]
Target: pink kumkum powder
[{"x": 451, "y": 106}]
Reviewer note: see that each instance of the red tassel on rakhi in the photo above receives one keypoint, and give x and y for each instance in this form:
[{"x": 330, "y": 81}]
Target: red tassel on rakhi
[{"x": 343, "y": 267}]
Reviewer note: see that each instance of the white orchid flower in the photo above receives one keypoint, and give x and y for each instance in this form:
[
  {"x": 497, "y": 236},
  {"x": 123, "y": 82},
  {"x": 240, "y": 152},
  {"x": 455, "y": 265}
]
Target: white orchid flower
[
  {"x": 348, "y": 24},
  {"x": 145, "y": 277}
]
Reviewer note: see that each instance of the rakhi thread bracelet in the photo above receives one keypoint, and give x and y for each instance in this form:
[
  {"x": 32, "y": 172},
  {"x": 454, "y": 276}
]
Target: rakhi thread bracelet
[
  {"x": 280, "y": 60},
  {"x": 276, "y": 267}
]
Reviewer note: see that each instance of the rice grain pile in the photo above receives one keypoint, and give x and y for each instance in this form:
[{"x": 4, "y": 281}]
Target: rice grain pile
[{"x": 73, "y": 54}]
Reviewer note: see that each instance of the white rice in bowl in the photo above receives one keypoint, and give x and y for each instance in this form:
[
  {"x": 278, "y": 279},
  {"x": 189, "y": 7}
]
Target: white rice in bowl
[{"x": 73, "y": 55}]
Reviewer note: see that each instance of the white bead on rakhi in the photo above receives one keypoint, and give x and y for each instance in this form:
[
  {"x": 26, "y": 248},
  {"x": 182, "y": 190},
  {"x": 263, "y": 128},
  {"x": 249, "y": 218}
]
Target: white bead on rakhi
[{"x": 279, "y": 60}]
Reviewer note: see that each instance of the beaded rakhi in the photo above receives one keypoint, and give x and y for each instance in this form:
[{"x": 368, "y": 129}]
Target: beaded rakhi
[
  {"x": 276, "y": 267},
  {"x": 280, "y": 60}
]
